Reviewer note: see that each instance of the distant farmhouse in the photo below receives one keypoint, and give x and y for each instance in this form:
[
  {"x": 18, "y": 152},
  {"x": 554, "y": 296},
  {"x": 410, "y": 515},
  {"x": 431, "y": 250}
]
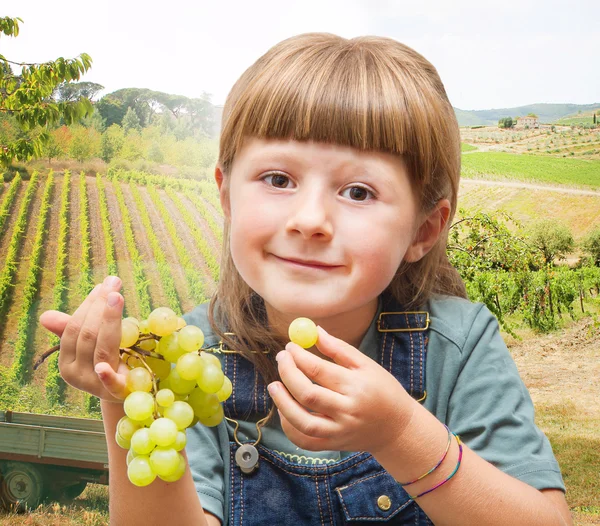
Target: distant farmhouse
[{"x": 531, "y": 122}]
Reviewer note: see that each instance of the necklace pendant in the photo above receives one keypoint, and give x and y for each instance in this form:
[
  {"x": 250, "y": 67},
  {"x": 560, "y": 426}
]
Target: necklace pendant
[{"x": 246, "y": 457}]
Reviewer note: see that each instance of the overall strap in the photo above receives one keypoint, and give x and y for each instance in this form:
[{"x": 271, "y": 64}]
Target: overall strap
[
  {"x": 403, "y": 345},
  {"x": 249, "y": 395}
]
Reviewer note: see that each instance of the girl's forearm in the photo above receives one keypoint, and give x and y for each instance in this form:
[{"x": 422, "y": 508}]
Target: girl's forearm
[
  {"x": 479, "y": 493},
  {"x": 168, "y": 503}
]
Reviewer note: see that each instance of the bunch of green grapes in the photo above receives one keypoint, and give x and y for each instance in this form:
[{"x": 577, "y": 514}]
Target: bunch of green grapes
[{"x": 172, "y": 385}]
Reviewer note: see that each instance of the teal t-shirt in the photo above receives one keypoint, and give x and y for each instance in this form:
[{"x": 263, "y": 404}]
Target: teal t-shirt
[{"x": 472, "y": 385}]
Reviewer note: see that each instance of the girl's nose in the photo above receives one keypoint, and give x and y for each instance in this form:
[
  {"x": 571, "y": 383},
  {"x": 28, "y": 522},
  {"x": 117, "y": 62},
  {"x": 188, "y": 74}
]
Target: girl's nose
[{"x": 310, "y": 216}]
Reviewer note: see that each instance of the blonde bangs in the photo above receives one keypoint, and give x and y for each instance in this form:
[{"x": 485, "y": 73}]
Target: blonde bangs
[{"x": 324, "y": 88}]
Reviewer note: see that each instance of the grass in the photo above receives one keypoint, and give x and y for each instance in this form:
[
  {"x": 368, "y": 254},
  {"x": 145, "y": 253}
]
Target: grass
[
  {"x": 530, "y": 168},
  {"x": 89, "y": 509},
  {"x": 464, "y": 147},
  {"x": 575, "y": 439}
]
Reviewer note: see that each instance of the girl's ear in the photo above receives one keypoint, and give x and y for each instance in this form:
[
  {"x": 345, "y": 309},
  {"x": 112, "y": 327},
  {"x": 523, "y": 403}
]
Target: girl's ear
[
  {"x": 223, "y": 193},
  {"x": 429, "y": 231}
]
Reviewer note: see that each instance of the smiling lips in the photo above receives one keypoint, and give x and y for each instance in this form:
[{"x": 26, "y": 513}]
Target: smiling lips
[{"x": 309, "y": 263}]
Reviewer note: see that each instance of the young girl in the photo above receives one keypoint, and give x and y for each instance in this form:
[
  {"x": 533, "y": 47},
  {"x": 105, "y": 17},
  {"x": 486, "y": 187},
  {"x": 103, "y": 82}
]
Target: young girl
[{"x": 338, "y": 175}]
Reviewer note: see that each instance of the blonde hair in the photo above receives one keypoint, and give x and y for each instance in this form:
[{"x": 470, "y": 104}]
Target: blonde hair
[{"x": 370, "y": 93}]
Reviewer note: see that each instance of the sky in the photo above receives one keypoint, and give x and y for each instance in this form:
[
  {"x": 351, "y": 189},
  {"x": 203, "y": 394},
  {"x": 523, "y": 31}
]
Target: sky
[{"x": 489, "y": 54}]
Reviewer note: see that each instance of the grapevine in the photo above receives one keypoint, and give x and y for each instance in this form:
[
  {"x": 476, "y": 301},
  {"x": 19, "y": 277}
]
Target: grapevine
[
  {"x": 23, "y": 349},
  {"x": 141, "y": 283},
  {"x": 55, "y": 386},
  {"x": 7, "y": 281},
  {"x": 9, "y": 199},
  {"x": 86, "y": 282}
]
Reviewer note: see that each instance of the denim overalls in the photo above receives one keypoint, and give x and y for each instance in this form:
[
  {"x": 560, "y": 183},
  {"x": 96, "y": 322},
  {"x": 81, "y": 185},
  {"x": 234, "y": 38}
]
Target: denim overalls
[{"x": 355, "y": 490}]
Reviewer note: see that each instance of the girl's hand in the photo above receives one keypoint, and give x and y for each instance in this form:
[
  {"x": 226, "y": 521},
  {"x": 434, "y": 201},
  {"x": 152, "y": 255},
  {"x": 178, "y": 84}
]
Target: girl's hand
[
  {"x": 89, "y": 342},
  {"x": 354, "y": 404}
]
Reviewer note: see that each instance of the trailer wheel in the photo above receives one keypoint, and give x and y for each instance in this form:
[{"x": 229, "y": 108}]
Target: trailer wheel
[{"x": 21, "y": 486}]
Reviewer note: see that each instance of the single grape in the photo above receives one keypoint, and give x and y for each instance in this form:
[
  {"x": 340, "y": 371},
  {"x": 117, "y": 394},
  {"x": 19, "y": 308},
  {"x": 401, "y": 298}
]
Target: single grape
[
  {"x": 139, "y": 379},
  {"x": 133, "y": 320},
  {"x": 161, "y": 368},
  {"x": 203, "y": 404},
  {"x": 163, "y": 432},
  {"x": 303, "y": 332},
  {"x": 140, "y": 472},
  {"x": 147, "y": 345},
  {"x": 191, "y": 338},
  {"x": 179, "y": 385},
  {"x": 130, "y": 455},
  {"x": 164, "y": 461},
  {"x": 210, "y": 357},
  {"x": 139, "y": 405},
  {"x": 189, "y": 366},
  {"x": 180, "y": 441},
  {"x": 165, "y": 397},
  {"x": 129, "y": 334},
  {"x": 181, "y": 323},
  {"x": 214, "y": 419},
  {"x": 211, "y": 379},
  {"x": 181, "y": 413},
  {"x": 178, "y": 473},
  {"x": 169, "y": 347},
  {"x": 144, "y": 327},
  {"x": 122, "y": 442},
  {"x": 126, "y": 427},
  {"x": 226, "y": 389},
  {"x": 162, "y": 321},
  {"x": 141, "y": 442}
]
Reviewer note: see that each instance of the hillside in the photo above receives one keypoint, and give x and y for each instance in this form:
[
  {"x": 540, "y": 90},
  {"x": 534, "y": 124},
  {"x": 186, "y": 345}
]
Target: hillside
[
  {"x": 162, "y": 236},
  {"x": 547, "y": 113}
]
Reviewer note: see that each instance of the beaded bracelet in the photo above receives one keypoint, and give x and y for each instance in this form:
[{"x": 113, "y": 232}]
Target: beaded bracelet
[
  {"x": 437, "y": 465},
  {"x": 460, "y": 453}
]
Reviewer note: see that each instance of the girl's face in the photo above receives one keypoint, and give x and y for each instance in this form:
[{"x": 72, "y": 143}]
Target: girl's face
[{"x": 319, "y": 230}]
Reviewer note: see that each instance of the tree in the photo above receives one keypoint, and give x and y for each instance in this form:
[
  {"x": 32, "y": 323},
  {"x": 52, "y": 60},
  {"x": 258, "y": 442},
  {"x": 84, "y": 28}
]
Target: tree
[
  {"x": 112, "y": 110},
  {"x": 551, "y": 238},
  {"x": 85, "y": 143},
  {"x": 111, "y": 142},
  {"x": 131, "y": 121},
  {"x": 73, "y": 91},
  {"x": 28, "y": 97},
  {"x": 591, "y": 244}
]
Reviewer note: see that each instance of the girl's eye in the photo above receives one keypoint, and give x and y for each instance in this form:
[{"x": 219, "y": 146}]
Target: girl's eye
[
  {"x": 358, "y": 193},
  {"x": 277, "y": 180}
]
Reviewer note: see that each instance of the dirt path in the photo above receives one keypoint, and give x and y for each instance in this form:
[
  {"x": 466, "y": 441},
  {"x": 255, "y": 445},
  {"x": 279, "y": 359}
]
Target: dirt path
[
  {"x": 74, "y": 246},
  {"x": 548, "y": 188},
  {"x": 562, "y": 367},
  {"x": 157, "y": 295},
  {"x": 8, "y": 330},
  {"x": 161, "y": 232},
  {"x": 99, "y": 266},
  {"x": 122, "y": 256},
  {"x": 41, "y": 341}
]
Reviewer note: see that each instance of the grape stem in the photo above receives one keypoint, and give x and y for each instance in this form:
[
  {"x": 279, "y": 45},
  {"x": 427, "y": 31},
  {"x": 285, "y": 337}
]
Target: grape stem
[{"x": 56, "y": 348}]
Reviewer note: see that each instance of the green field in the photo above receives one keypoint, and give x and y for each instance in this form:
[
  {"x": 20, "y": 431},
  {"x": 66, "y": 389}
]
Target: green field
[{"x": 530, "y": 168}]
